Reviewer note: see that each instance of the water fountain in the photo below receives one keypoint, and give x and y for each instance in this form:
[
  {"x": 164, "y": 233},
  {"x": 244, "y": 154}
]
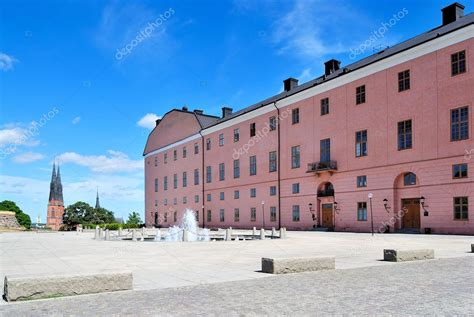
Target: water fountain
[{"x": 189, "y": 225}]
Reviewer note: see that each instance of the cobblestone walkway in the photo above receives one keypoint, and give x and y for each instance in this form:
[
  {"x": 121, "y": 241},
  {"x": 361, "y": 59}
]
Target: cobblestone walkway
[{"x": 435, "y": 287}]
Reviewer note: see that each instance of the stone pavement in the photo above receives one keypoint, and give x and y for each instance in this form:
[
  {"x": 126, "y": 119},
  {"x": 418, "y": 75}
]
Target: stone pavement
[
  {"x": 168, "y": 264},
  {"x": 432, "y": 287}
]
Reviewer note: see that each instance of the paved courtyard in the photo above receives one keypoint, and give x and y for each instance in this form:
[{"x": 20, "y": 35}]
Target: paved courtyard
[{"x": 164, "y": 265}]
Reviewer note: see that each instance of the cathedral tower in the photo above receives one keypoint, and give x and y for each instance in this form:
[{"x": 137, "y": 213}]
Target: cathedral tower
[{"x": 55, "y": 204}]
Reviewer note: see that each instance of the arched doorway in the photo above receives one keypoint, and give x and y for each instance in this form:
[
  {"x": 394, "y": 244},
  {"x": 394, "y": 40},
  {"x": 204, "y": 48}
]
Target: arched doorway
[
  {"x": 407, "y": 202},
  {"x": 326, "y": 217}
]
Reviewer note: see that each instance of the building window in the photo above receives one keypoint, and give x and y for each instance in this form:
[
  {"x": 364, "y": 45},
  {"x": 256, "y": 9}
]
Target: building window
[
  {"x": 461, "y": 208},
  {"x": 221, "y": 196},
  {"x": 272, "y": 123},
  {"x": 360, "y": 95},
  {"x": 156, "y": 161},
  {"x": 403, "y": 80},
  {"x": 165, "y": 183},
  {"x": 165, "y": 202},
  {"x": 208, "y": 197},
  {"x": 165, "y": 158},
  {"x": 236, "y": 215},
  {"x": 295, "y": 188},
  {"x": 253, "y": 165},
  {"x": 175, "y": 155},
  {"x": 295, "y": 116},
  {"x": 236, "y": 194},
  {"x": 272, "y": 161},
  {"x": 185, "y": 179},
  {"x": 409, "y": 179},
  {"x": 196, "y": 198},
  {"x": 296, "y": 213},
  {"x": 460, "y": 170},
  {"x": 362, "y": 181},
  {"x": 236, "y": 135},
  {"x": 175, "y": 181},
  {"x": 324, "y": 106},
  {"x": 197, "y": 216},
  {"x": 156, "y": 185},
  {"x": 253, "y": 192},
  {"x": 209, "y": 216},
  {"x": 156, "y": 203},
  {"x": 362, "y": 211},
  {"x": 361, "y": 143},
  {"x": 185, "y": 200},
  {"x": 325, "y": 150},
  {"x": 208, "y": 144},
  {"x": 175, "y": 216},
  {"x": 221, "y": 171},
  {"x": 253, "y": 214},
  {"x": 273, "y": 214},
  {"x": 273, "y": 190},
  {"x": 196, "y": 176},
  {"x": 252, "y": 129},
  {"x": 208, "y": 174},
  {"x": 175, "y": 201},
  {"x": 221, "y": 139},
  {"x": 185, "y": 152},
  {"x": 460, "y": 124},
  {"x": 458, "y": 63},
  {"x": 166, "y": 217},
  {"x": 404, "y": 135},
  {"x": 236, "y": 168},
  {"x": 196, "y": 148},
  {"x": 295, "y": 156}
]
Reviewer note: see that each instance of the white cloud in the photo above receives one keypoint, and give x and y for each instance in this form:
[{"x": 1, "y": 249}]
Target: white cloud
[
  {"x": 305, "y": 75},
  {"x": 148, "y": 121},
  {"x": 27, "y": 157},
  {"x": 76, "y": 120},
  {"x": 6, "y": 62},
  {"x": 115, "y": 162},
  {"x": 12, "y": 135}
]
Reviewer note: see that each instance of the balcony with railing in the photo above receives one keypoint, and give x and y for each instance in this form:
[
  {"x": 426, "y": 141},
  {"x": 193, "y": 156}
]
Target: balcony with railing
[{"x": 319, "y": 167}]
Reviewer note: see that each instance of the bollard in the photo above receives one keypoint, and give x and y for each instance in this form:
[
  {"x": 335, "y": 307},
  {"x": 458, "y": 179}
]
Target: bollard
[
  {"x": 134, "y": 235},
  {"x": 120, "y": 231},
  {"x": 228, "y": 235},
  {"x": 282, "y": 233},
  {"x": 262, "y": 234},
  {"x": 254, "y": 231},
  {"x": 273, "y": 232},
  {"x": 143, "y": 231},
  {"x": 101, "y": 233},
  {"x": 96, "y": 235},
  {"x": 107, "y": 235}
]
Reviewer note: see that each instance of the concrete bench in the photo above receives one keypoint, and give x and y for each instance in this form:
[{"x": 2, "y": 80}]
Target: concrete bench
[
  {"x": 294, "y": 265},
  {"x": 407, "y": 255},
  {"x": 20, "y": 288}
]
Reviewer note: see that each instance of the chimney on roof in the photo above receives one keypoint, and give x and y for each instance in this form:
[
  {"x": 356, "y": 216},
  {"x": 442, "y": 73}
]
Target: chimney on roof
[
  {"x": 184, "y": 108},
  {"x": 452, "y": 13},
  {"x": 226, "y": 111},
  {"x": 290, "y": 83},
  {"x": 158, "y": 121},
  {"x": 198, "y": 111},
  {"x": 331, "y": 66}
]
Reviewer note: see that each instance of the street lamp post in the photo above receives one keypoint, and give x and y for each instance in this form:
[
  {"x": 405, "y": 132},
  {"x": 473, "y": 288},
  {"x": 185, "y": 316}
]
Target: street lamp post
[
  {"x": 263, "y": 213},
  {"x": 371, "y": 213},
  {"x": 203, "y": 217}
]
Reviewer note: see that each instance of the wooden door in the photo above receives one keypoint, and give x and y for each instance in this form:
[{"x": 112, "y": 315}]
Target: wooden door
[
  {"x": 411, "y": 217},
  {"x": 327, "y": 218}
]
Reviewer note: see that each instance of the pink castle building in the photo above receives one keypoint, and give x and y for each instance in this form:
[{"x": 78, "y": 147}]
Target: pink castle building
[{"x": 383, "y": 143}]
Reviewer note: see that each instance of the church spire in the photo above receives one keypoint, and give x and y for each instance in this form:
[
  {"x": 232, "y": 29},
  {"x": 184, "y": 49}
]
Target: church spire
[
  {"x": 97, "y": 203},
  {"x": 59, "y": 186},
  {"x": 52, "y": 185}
]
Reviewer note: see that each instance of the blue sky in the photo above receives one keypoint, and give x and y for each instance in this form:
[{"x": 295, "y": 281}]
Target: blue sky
[{"x": 67, "y": 92}]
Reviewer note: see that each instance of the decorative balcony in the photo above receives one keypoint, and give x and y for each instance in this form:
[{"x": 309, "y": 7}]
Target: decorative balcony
[{"x": 319, "y": 167}]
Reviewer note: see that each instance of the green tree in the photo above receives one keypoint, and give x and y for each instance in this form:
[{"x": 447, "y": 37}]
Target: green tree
[
  {"x": 76, "y": 213},
  {"x": 99, "y": 216},
  {"x": 134, "y": 219},
  {"x": 23, "y": 219}
]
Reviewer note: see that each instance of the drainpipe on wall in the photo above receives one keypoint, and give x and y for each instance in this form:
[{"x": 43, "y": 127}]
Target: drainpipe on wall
[
  {"x": 202, "y": 180},
  {"x": 279, "y": 159}
]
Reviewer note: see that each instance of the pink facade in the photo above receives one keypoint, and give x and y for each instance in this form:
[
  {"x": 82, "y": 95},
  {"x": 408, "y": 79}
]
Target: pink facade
[{"x": 433, "y": 199}]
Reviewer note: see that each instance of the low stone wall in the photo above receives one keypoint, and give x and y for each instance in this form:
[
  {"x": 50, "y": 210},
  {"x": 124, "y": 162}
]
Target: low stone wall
[
  {"x": 21, "y": 288},
  {"x": 295, "y": 265},
  {"x": 407, "y": 255},
  {"x": 8, "y": 220}
]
